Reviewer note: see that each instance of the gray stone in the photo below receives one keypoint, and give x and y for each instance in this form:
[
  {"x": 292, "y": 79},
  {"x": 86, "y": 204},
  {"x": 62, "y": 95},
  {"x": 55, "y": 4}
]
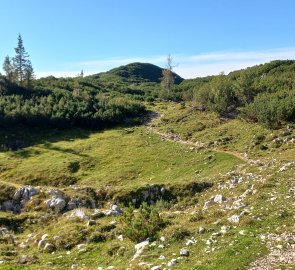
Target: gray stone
[
  {"x": 42, "y": 243},
  {"x": 81, "y": 246},
  {"x": 49, "y": 247},
  {"x": 11, "y": 205},
  {"x": 219, "y": 199},
  {"x": 91, "y": 222},
  {"x": 56, "y": 203},
  {"x": 201, "y": 230},
  {"x": 234, "y": 219},
  {"x": 97, "y": 214},
  {"x": 140, "y": 247},
  {"x": 25, "y": 193},
  {"x": 184, "y": 252},
  {"x": 78, "y": 213},
  {"x": 172, "y": 262}
]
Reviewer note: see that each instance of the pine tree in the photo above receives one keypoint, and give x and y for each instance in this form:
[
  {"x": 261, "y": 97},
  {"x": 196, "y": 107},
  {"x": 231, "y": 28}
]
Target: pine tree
[
  {"x": 8, "y": 68},
  {"x": 21, "y": 63}
]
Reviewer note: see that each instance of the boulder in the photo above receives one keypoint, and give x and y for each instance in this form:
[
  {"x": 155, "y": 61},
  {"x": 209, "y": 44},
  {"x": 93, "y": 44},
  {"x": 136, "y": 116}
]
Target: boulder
[
  {"x": 25, "y": 193},
  {"x": 56, "y": 203}
]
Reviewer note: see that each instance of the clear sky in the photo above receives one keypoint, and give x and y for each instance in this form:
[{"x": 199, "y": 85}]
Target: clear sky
[{"x": 204, "y": 37}]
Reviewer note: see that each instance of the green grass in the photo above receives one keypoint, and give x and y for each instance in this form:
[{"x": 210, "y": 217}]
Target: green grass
[{"x": 117, "y": 158}]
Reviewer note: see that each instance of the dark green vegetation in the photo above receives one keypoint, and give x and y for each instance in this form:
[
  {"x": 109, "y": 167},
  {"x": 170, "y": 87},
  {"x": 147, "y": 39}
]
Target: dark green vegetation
[
  {"x": 263, "y": 93},
  {"x": 138, "y": 227}
]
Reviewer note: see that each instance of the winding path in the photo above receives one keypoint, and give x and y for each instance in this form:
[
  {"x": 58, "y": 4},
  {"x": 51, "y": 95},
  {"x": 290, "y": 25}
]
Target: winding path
[{"x": 151, "y": 125}]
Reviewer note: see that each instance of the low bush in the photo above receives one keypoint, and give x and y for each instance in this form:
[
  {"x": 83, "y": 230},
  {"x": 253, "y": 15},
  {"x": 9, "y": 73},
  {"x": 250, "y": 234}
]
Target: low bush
[{"x": 146, "y": 223}]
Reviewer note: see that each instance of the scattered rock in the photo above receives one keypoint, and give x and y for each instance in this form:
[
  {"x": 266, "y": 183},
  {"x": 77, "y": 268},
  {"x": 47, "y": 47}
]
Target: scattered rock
[
  {"x": 139, "y": 248},
  {"x": 78, "y": 213},
  {"x": 115, "y": 210},
  {"x": 56, "y": 203},
  {"x": 44, "y": 236},
  {"x": 97, "y": 214},
  {"x": 224, "y": 229},
  {"x": 184, "y": 252},
  {"x": 172, "y": 262},
  {"x": 23, "y": 245},
  {"x": 201, "y": 230},
  {"x": 162, "y": 239},
  {"x": 219, "y": 199},
  {"x": 48, "y": 247},
  {"x": 91, "y": 222},
  {"x": 81, "y": 246},
  {"x": 234, "y": 219},
  {"x": 42, "y": 243},
  {"x": 25, "y": 193},
  {"x": 121, "y": 237},
  {"x": 11, "y": 205}
]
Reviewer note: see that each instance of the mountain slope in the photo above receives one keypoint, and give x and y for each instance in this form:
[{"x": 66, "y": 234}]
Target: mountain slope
[{"x": 139, "y": 72}]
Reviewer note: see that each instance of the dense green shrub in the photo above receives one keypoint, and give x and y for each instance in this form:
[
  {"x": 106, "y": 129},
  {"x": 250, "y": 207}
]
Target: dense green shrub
[
  {"x": 139, "y": 226},
  {"x": 272, "y": 109},
  {"x": 64, "y": 109}
]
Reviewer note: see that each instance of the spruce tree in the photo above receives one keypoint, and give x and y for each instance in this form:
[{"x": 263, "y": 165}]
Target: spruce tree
[{"x": 22, "y": 65}]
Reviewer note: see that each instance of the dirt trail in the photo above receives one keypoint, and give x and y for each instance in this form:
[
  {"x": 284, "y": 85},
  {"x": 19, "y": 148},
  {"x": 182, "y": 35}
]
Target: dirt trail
[{"x": 151, "y": 125}]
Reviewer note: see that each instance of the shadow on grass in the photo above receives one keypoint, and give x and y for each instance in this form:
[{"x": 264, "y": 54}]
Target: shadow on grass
[{"x": 18, "y": 138}]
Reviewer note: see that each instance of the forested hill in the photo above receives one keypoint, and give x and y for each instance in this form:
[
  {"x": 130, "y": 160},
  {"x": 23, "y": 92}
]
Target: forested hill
[{"x": 138, "y": 72}]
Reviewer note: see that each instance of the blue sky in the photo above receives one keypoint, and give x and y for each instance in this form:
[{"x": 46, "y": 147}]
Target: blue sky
[{"x": 204, "y": 37}]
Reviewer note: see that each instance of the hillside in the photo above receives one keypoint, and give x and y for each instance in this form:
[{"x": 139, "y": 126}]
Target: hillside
[
  {"x": 112, "y": 172},
  {"x": 137, "y": 72}
]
